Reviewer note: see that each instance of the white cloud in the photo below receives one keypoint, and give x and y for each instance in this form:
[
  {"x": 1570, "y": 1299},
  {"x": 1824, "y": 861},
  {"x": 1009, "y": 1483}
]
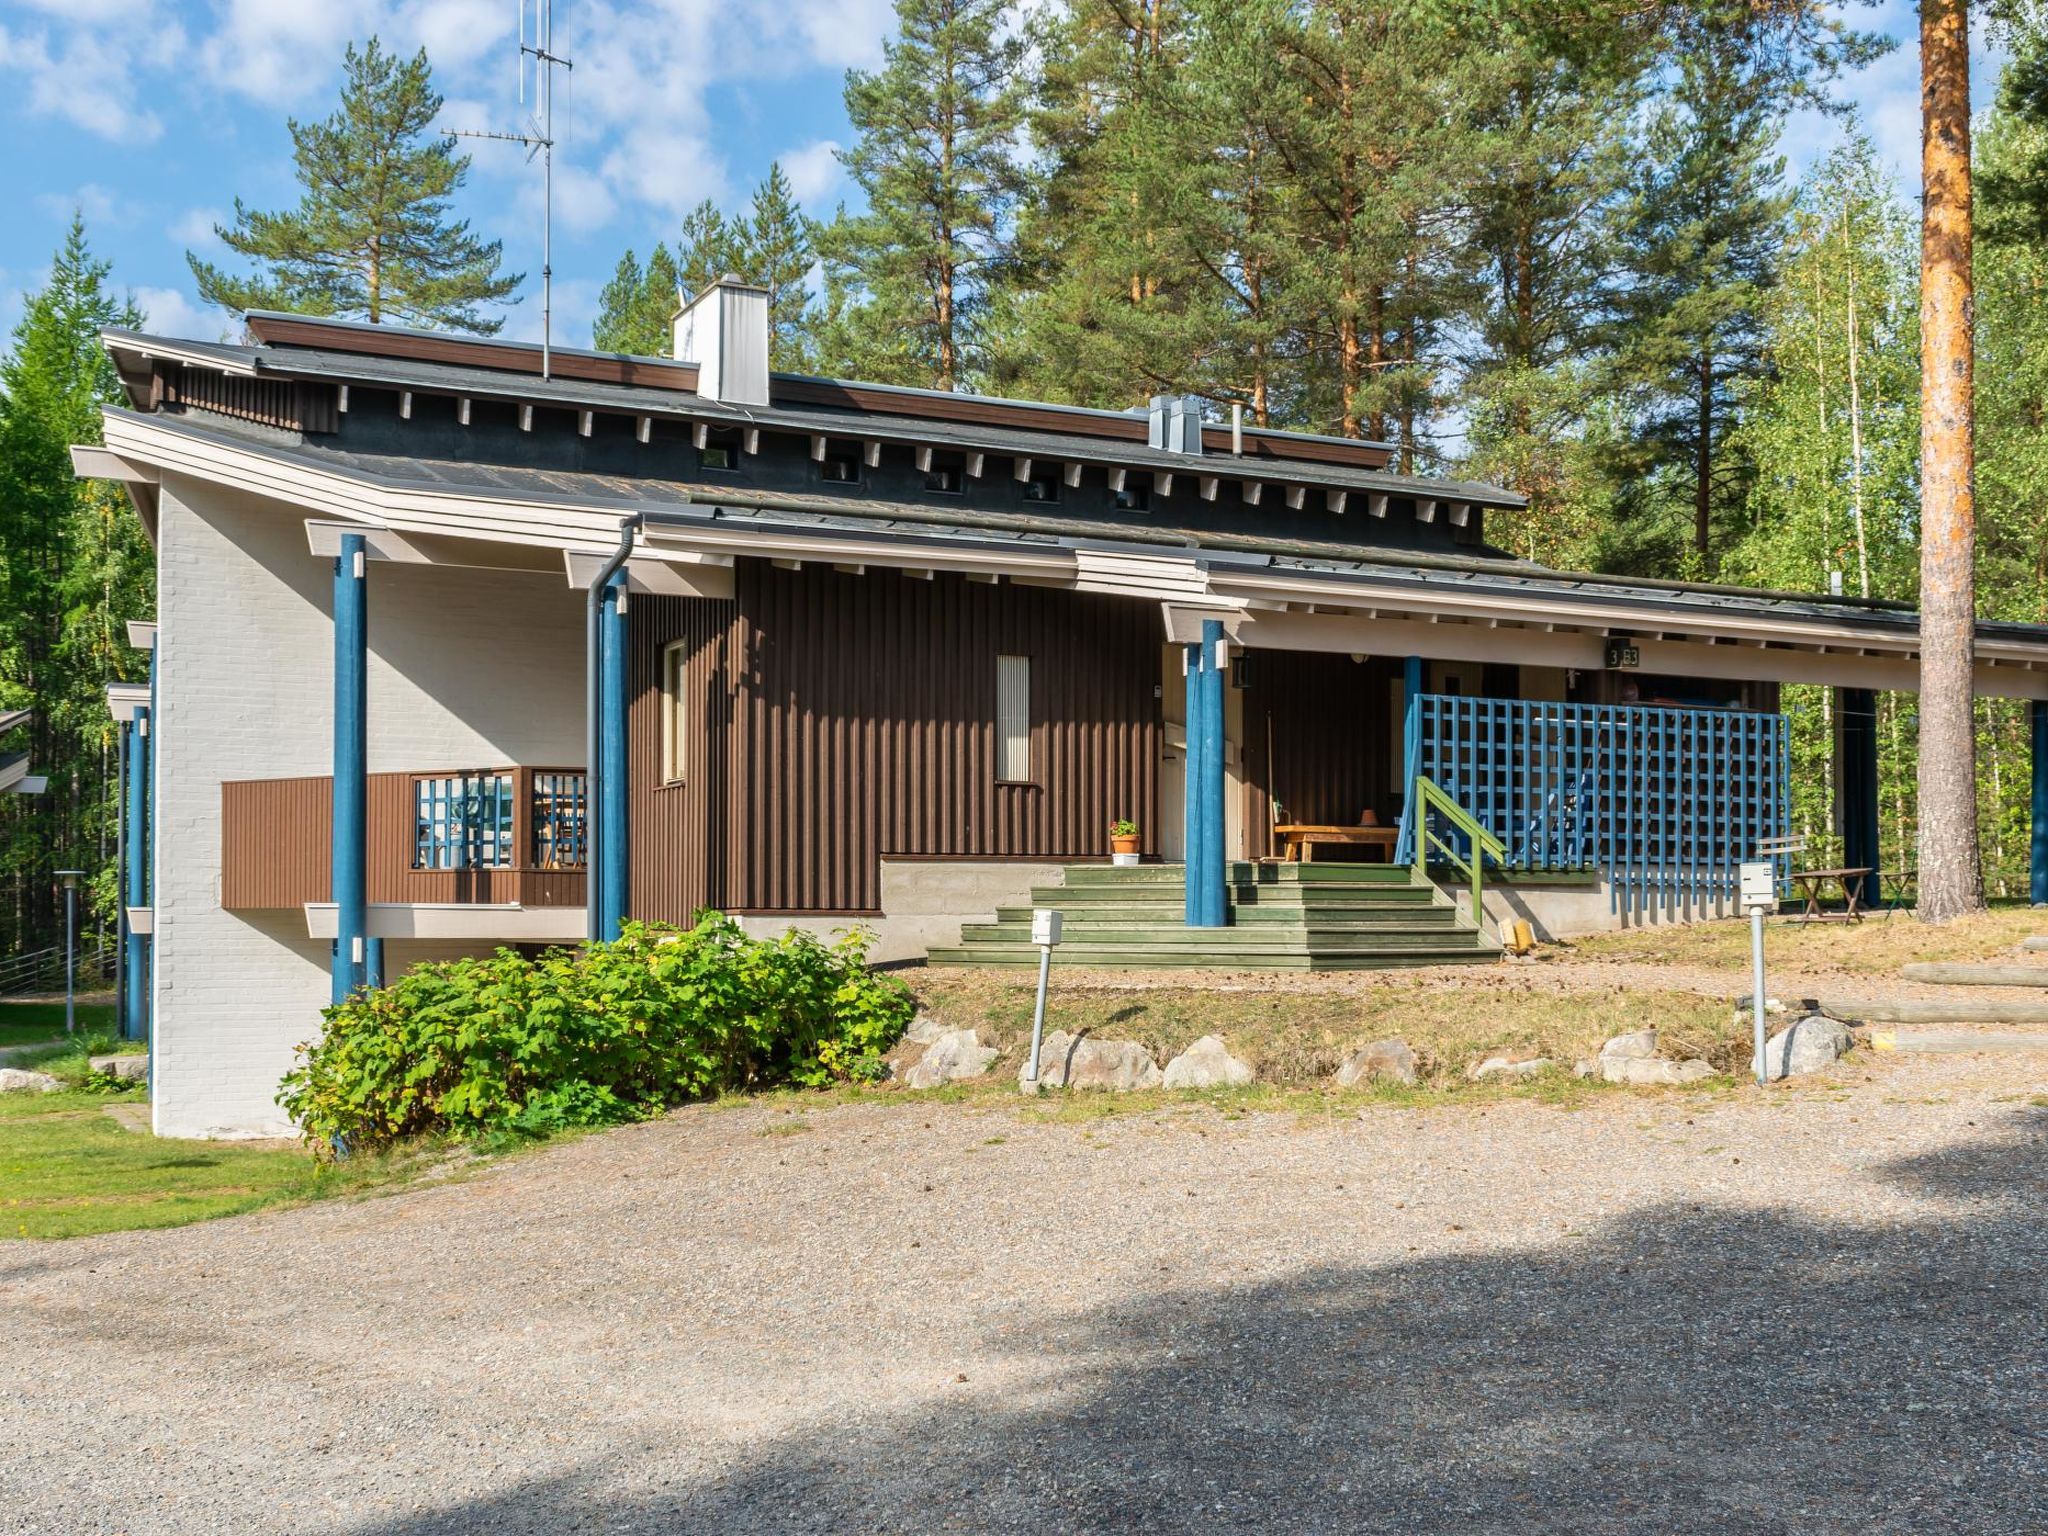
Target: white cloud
[
  {"x": 100, "y": 207},
  {"x": 192, "y": 230},
  {"x": 87, "y": 81},
  {"x": 168, "y": 312},
  {"x": 815, "y": 174},
  {"x": 575, "y": 310}
]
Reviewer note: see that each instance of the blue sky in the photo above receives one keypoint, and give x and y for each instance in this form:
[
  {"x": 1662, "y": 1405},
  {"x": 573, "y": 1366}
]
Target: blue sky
[{"x": 152, "y": 118}]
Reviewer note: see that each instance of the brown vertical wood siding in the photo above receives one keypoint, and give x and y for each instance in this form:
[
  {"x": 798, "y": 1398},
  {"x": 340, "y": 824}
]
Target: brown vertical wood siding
[
  {"x": 276, "y": 849},
  {"x": 844, "y": 718}
]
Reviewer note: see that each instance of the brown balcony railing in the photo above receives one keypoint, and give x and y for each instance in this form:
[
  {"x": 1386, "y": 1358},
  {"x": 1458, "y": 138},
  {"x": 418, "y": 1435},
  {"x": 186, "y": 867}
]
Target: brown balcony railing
[{"x": 490, "y": 835}]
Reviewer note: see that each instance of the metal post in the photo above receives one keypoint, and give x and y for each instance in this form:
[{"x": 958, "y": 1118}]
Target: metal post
[
  {"x": 1756, "y": 989},
  {"x": 135, "y": 892},
  {"x": 1409, "y": 847},
  {"x": 70, "y": 951},
  {"x": 1038, "y": 1011},
  {"x": 351, "y": 766},
  {"x": 593, "y": 736},
  {"x": 614, "y": 870},
  {"x": 121, "y": 877},
  {"x": 2037, "y": 717}
]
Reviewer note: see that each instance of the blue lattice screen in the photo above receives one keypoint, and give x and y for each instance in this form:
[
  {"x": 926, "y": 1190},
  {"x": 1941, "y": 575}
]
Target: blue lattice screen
[
  {"x": 1668, "y": 801},
  {"x": 462, "y": 823}
]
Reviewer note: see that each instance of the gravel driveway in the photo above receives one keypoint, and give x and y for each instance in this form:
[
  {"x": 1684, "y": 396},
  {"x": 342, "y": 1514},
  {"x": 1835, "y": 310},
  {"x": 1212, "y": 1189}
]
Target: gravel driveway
[{"x": 1816, "y": 1311}]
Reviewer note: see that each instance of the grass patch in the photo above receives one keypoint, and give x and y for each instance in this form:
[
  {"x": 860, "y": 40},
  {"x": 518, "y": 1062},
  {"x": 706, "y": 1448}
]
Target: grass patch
[
  {"x": 1296, "y": 1037},
  {"x": 1878, "y": 946},
  {"x": 69, "y": 1169},
  {"x": 30, "y": 1023}
]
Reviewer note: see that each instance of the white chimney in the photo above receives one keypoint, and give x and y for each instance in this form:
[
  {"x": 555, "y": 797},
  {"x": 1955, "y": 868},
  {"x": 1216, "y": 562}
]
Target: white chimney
[{"x": 724, "y": 331}]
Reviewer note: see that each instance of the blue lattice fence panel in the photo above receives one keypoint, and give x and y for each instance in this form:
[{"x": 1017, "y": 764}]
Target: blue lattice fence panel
[
  {"x": 463, "y": 822},
  {"x": 1668, "y": 801}
]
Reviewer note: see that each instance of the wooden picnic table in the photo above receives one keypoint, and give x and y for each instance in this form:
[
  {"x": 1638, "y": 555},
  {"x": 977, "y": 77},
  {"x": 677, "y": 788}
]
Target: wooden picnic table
[
  {"x": 1299, "y": 839},
  {"x": 1813, "y": 884}
]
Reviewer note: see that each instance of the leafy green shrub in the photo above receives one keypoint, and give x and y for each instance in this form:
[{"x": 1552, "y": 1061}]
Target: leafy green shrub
[{"x": 599, "y": 1036}]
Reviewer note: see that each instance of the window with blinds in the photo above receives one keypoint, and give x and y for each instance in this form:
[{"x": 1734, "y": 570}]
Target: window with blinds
[{"x": 1013, "y": 718}]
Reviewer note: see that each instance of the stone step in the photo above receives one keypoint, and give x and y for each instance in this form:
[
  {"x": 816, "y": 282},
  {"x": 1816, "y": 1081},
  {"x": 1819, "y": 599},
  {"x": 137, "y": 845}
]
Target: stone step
[
  {"x": 1235, "y": 938},
  {"x": 1119, "y": 957},
  {"x": 1283, "y": 897},
  {"x": 1242, "y": 873},
  {"x": 1398, "y": 914}
]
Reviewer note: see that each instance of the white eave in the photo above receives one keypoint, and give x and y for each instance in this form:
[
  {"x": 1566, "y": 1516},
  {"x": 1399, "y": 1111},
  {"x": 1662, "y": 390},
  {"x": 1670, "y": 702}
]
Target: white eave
[{"x": 507, "y": 922}]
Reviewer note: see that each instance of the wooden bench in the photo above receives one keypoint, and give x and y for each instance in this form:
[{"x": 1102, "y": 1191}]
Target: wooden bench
[{"x": 1298, "y": 840}]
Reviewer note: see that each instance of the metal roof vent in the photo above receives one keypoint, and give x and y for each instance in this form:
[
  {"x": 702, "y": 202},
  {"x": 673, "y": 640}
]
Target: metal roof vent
[
  {"x": 1175, "y": 423},
  {"x": 724, "y": 331}
]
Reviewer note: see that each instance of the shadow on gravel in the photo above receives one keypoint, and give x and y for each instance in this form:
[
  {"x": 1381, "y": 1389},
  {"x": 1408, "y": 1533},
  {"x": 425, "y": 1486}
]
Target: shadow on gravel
[{"x": 1683, "y": 1370}]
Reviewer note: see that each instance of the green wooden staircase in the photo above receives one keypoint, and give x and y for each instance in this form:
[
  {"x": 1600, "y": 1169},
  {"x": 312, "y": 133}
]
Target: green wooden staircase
[{"x": 1283, "y": 917}]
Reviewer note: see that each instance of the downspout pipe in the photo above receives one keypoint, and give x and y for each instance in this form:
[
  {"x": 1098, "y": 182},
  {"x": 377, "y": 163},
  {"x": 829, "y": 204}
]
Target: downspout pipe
[{"x": 593, "y": 598}]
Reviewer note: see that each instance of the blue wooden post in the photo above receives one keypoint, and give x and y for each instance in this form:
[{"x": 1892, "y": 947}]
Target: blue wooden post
[
  {"x": 1856, "y": 776},
  {"x": 2037, "y": 718},
  {"x": 1411, "y": 757},
  {"x": 351, "y": 766},
  {"x": 135, "y": 876},
  {"x": 1208, "y": 902},
  {"x": 613, "y": 869}
]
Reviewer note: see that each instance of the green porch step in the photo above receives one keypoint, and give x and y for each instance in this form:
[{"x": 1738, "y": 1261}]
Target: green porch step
[{"x": 1284, "y": 917}]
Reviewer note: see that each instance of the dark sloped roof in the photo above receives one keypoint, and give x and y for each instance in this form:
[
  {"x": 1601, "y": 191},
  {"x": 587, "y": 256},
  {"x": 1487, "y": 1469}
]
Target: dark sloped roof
[
  {"x": 441, "y": 378},
  {"x": 722, "y": 504}
]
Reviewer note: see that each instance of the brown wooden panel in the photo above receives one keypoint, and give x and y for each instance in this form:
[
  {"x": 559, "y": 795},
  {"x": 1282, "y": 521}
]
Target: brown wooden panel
[
  {"x": 294, "y": 405},
  {"x": 276, "y": 849},
  {"x": 1316, "y": 731},
  {"x": 468, "y": 352},
  {"x": 845, "y": 718}
]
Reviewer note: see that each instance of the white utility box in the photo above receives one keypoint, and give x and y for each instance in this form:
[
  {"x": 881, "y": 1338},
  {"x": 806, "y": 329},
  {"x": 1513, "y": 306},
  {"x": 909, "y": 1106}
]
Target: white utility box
[{"x": 1045, "y": 925}]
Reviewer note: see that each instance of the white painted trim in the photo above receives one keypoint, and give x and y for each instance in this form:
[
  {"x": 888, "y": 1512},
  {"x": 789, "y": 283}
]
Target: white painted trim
[
  {"x": 142, "y": 920},
  {"x": 679, "y": 574},
  {"x": 91, "y": 463},
  {"x": 30, "y": 784},
  {"x": 508, "y": 922},
  {"x": 124, "y": 699},
  {"x": 142, "y": 634}
]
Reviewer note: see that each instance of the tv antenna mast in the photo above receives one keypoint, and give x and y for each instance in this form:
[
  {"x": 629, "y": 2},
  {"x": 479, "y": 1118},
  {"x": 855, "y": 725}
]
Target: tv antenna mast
[{"x": 539, "y": 139}]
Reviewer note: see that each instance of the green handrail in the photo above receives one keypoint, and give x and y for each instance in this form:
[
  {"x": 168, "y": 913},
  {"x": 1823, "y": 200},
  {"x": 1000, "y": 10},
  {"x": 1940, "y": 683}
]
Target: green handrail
[{"x": 1428, "y": 796}]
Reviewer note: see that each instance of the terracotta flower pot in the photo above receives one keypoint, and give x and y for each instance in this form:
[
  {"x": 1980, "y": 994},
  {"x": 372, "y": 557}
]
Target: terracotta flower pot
[{"x": 1124, "y": 844}]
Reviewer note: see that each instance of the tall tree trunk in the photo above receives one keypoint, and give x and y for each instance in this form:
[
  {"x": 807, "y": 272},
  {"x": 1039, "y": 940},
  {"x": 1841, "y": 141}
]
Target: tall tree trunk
[
  {"x": 1703, "y": 463},
  {"x": 1951, "y": 870}
]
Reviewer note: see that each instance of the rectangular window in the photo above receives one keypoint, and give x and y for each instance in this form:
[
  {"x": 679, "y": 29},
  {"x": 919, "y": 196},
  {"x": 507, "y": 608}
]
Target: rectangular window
[
  {"x": 721, "y": 451},
  {"x": 943, "y": 478},
  {"x": 1013, "y": 719},
  {"x": 1043, "y": 486},
  {"x": 1136, "y": 496},
  {"x": 841, "y": 464},
  {"x": 462, "y": 823},
  {"x": 674, "y": 658}
]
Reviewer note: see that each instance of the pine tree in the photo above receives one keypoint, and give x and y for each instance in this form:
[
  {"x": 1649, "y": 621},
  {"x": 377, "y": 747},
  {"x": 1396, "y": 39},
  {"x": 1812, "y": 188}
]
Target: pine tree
[
  {"x": 937, "y": 158},
  {"x": 371, "y": 237},
  {"x": 1951, "y": 867},
  {"x": 74, "y": 565},
  {"x": 707, "y": 249},
  {"x": 776, "y": 250},
  {"x": 635, "y": 309},
  {"x": 1699, "y": 237}
]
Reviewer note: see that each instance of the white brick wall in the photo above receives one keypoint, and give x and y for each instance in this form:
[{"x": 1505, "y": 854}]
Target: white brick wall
[{"x": 468, "y": 668}]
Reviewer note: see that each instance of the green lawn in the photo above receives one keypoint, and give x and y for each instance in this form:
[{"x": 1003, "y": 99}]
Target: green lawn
[
  {"x": 27, "y": 1023},
  {"x": 70, "y": 1169}
]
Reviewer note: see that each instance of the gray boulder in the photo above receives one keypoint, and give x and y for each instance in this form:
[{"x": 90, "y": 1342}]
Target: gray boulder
[
  {"x": 19, "y": 1080},
  {"x": 1502, "y": 1066},
  {"x": 1206, "y": 1064},
  {"x": 924, "y": 1029},
  {"x": 1391, "y": 1059},
  {"x": 1811, "y": 1044},
  {"x": 132, "y": 1068},
  {"x": 1644, "y": 1072},
  {"x": 1639, "y": 1046},
  {"x": 950, "y": 1057},
  {"x": 1068, "y": 1061}
]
